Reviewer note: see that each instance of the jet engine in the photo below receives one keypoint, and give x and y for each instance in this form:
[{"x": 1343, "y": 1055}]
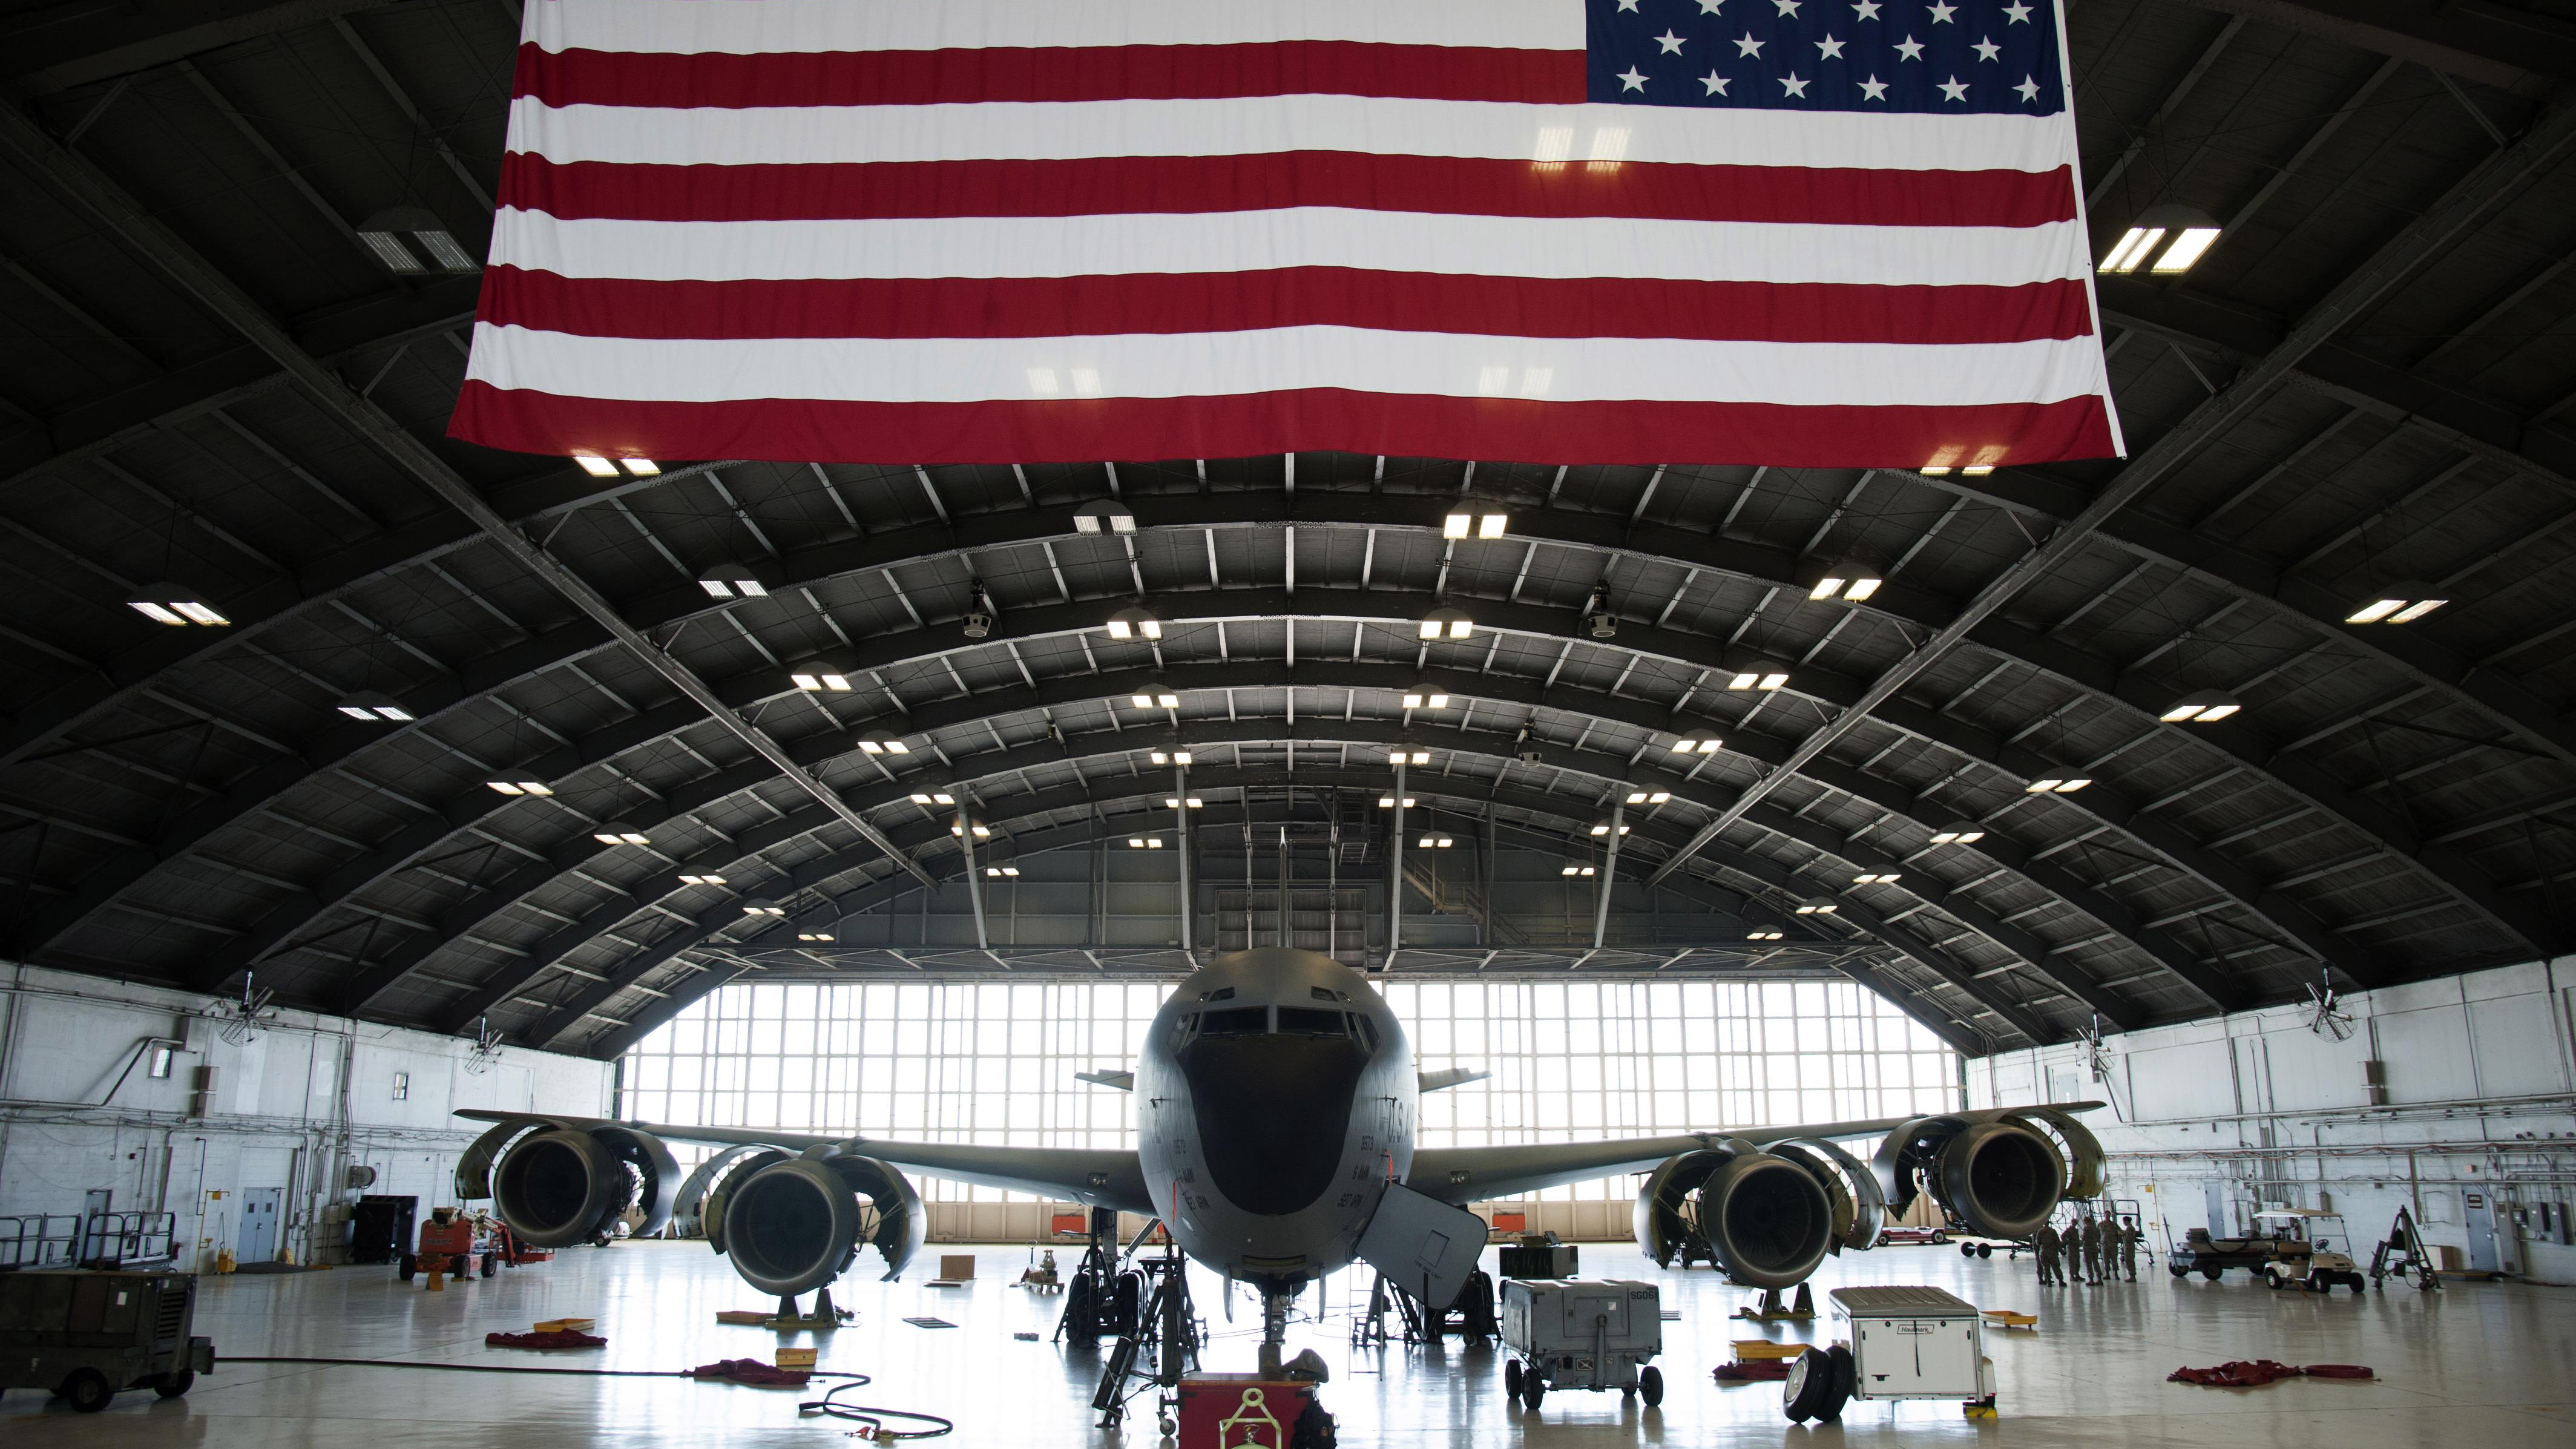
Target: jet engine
[
  {"x": 794, "y": 1223},
  {"x": 1765, "y": 1216},
  {"x": 557, "y": 1186},
  {"x": 2000, "y": 1172}
]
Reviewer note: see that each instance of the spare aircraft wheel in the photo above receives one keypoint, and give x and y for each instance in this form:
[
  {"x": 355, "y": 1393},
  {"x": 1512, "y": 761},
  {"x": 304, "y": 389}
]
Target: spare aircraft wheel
[
  {"x": 1533, "y": 1389},
  {"x": 1846, "y": 1380},
  {"x": 1810, "y": 1384},
  {"x": 1650, "y": 1385}
]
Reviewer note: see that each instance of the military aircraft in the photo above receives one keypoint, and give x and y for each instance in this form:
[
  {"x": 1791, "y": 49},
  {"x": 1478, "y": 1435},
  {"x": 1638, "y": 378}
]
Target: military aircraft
[{"x": 1276, "y": 1108}]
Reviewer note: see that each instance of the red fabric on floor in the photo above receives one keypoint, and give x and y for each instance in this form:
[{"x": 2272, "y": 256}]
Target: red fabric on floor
[
  {"x": 2247, "y": 1374},
  {"x": 544, "y": 1340},
  {"x": 752, "y": 1371}
]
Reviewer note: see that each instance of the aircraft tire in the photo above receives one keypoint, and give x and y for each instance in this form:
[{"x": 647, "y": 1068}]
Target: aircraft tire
[
  {"x": 1810, "y": 1383},
  {"x": 1511, "y": 1378},
  {"x": 1081, "y": 1320},
  {"x": 1846, "y": 1378},
  {"x": 1533, "y": 1389},
  {"x": 1650, "y": 1385}
]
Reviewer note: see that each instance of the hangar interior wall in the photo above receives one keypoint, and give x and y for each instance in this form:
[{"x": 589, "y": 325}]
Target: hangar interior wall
[
  {"x": 2457, "y": 1097},
  {"x": 290, "y": 1109}
]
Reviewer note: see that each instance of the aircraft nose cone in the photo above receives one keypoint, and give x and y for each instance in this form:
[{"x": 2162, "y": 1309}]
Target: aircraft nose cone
[{"x": 1272, "y": 1115}]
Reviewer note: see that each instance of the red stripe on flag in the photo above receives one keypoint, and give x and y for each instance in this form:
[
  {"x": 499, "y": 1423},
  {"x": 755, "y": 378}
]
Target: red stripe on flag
[
  {"x": 1073, "y": 431},
  {"x": 1133, "y": 185},
  {"x": 1289, "y": 297},
  {"x": 1104, "y": 73}
]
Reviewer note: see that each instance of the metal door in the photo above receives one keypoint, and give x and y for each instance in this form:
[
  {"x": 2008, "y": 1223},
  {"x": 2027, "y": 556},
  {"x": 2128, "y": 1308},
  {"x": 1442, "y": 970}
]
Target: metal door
[
  {"x": 2219, "y": 1224},
  {"x": 256, "y": 1242}
]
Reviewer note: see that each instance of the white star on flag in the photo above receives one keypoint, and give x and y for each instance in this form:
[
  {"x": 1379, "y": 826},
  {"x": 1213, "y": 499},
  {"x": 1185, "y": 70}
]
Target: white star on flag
[
  {"x": 1716, "y": 83},
  {"x": 1627, "y": 4},
  {"x": 2017, "y": 13},
  {"x": 1794, "y": 86},
  {"x": 1630, "y": 80},
  {"x": 1672, "y": 43},
  {"x": 1748, "y": 45},
  {"x": 1909, "y": 48},
  {"x": 2029, "y": 89},
  {"x": 1873, "y": 89},
  {"x": 1866, "y": 10},
  {"x": 1709, "y": 7},
  {"x": 1830, "y": 48},
  {"x": 1941, "y": 13},
  {"x": 1955, "y": 89},
  {"x": 1787, "y": 7},
  {"x": 1987, "y": 50}
]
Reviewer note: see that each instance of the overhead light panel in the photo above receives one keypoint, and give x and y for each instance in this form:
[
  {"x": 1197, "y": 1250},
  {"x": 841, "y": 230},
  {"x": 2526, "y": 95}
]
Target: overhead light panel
[
  {"x": 1759, "y": 676},
  {"x": 1156, "y": 696},
  {"x": 1961, "y": 832},
  {"x": 1446, "y": 624},
  {"x": 1387, "y": 802},
  {"x": 1424, "y": 699},
  {"x": 1649, "y": 797},
  {"x": 831, "y": 678},
  {"x": 175, "y": 604},
  {"x": 1175, "y": 802},
  {"x": 1477, "y": 522},
  {"x": 759, "y": 907},
  {"x": 1844, "y": 582},
  {"x": 595, "y": 465},
  {"x": 1001, "y": 870},
  {"x": 401, "y": 236},
  {"x": 1764, "y": 935},
  {"x": 2173, "y": 236},
  {"x": 2055, "y": 786},
  {"x": 1818, "y": 906},
  {"x": 1878, "y": 877},
  {"x": 1604, "y": 828},
  {"x": 1149, "y": 842},
  {"x": 1580, "y": 870},
  {"x": 621, "y": 835},
  {"x": 1135, "y": 623},
  {"x": 1698, "y": 744},
  {"x": 734, "y": 581},
  {"x": 371, "y": 706},
  {"x": 813, "y": 935},
  {"x": 2398, "y": 603},
  {"x": 1408, "y": 757},
  {"x": 2207, "y": 706},
  {"x": 1104, "y": 516},
  {"x": 882, "y": 742},
  {"x": 520, "y": 787},
  {"x": 1434, "y": 842},
  {"x": 702, "y": 880}
]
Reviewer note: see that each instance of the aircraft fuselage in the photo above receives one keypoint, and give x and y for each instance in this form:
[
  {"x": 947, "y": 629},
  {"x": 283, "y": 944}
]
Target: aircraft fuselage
[{"x": 1275, "y": 1100}]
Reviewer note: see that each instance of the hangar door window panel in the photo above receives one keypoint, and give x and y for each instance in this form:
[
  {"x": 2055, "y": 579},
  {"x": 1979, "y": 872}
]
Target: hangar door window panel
[
  {"x": 1607, "y": 1058},
  {"x": 931, "y": 1061}
]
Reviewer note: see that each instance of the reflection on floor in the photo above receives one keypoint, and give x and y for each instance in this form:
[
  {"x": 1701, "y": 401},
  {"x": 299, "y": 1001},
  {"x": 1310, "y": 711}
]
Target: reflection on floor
[{"x": 2474, "y": 1364}]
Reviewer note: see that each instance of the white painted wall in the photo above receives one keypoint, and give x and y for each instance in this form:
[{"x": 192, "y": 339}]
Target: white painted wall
[
  {"x": 289, "y": 1109},
  {"x": 2481, "y": 1098}
]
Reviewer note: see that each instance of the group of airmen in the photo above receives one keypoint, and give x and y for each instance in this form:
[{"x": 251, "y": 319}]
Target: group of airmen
[{"x": 2085, "y": 1250}]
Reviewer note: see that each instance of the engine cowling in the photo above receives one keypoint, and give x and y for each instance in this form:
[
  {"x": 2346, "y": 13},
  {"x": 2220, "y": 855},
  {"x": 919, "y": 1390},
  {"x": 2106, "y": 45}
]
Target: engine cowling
[
  {"x": 557, "y": 1186},
  {"x": 794, "y": 1224},
  {"x": 1999, "y": 1172},
  {"x": 1766, "y": 1219}
]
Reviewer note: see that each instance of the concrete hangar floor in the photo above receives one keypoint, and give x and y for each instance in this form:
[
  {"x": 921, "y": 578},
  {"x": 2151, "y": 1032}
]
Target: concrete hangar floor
[{"x": 2472, "y": 1364}]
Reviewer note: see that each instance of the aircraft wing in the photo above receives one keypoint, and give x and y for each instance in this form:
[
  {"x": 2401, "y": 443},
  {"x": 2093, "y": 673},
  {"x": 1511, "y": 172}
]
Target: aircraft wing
[
  {"x": 1488, "y": 1174},
  {"x": 1097, "y": 1177}
]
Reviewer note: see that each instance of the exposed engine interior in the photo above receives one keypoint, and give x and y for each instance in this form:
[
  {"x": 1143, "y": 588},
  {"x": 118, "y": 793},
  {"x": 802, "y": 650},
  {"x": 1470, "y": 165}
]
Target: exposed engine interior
[
  {"x": 793, "y": 1224},
  {"x": 558, "y": 1186},
  {"x": 1766, "y": 1217},
  {"x": 1999, "y": 1172}
]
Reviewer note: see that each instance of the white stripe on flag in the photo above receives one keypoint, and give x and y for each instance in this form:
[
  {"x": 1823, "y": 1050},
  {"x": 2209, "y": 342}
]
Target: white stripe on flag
[
  {"x": 1314, "y": 236},
  {"x": 947, "y": 369},
  {"x": 743, "y": 27},
  {"x": 1567, "y": 138}
]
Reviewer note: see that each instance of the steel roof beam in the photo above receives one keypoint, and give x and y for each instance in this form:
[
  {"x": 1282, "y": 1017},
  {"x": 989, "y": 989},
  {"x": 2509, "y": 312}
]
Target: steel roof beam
[
  {"x": 2522, "y": 51},
  {"x": 2537, "y": 152},
  {"x": 122, "y": 217},
  {"x": 567, "y": 1016},
  {"x": 2038, "y": 956}
]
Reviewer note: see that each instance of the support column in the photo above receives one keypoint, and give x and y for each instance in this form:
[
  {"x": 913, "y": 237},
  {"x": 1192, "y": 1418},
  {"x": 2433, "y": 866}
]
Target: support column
[
  {"x": 1395, "y": 874},
  {"x": 1609, "y": 866},
  {"x": 1181, "y": 848}
]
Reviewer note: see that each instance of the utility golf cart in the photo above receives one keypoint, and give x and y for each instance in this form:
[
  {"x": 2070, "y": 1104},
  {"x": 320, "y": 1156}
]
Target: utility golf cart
[{"x": 2310, "y": 1249}]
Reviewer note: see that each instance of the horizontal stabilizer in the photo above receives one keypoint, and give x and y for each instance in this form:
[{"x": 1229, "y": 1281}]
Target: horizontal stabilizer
[
  {"x": 1423, "y": 1245},
  {"x": 1123, "y": 1081},
  {"x": 1451, "y": 1077}
]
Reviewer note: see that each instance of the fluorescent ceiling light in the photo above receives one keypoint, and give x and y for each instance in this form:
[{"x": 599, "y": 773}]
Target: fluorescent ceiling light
[
  {"x": 1960, "y": 833},
  {"x": 643, "y": 467},
  {"x": 1104, "y": 515},
  {"x": 702, "y": 880},
  {"x": 2207, "y": 706},
  {"x": 1705, "y": 746},
  {"x": 819, "y": 679},
  {"x": 616, "y": 835},
  {"x": 1416, "y": 699},
  {"x": 595, "y": 465}
]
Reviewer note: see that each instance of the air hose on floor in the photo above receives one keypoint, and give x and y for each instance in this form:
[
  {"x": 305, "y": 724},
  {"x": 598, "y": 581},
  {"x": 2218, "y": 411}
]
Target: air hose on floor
[{"x": 871, "y": 1419}]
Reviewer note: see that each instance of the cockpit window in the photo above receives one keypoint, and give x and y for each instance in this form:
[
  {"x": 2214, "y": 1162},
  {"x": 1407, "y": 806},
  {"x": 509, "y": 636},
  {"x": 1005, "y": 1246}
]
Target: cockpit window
[
  {"x": 1240, "y": 1021},
  {"x": 1366, "y": 1031},
  {"x": 1307, "y": 1021}
]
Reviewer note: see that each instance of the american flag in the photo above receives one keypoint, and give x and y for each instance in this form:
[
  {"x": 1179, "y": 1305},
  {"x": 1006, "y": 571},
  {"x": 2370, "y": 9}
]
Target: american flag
[{"x": 1795, "y": 232}]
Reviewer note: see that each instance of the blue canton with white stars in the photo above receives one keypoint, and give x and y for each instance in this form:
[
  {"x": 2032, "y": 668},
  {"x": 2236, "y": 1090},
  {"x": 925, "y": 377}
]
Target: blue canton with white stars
[{"x": 1937, "y": 57}]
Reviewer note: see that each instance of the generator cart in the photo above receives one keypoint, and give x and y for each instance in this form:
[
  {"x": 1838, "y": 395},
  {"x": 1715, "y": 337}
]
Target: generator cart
[
  {"x": 1903, "y": 1343},
  {"x": 87, "y": 1334},
  {"x": 1577, "y": 1333}
]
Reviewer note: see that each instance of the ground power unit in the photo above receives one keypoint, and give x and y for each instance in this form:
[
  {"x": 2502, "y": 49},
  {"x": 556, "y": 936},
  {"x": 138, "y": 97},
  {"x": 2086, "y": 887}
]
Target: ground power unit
[
  {"x": 1582, "y": 1333},
  {"x": 1898, "y": 1343}
]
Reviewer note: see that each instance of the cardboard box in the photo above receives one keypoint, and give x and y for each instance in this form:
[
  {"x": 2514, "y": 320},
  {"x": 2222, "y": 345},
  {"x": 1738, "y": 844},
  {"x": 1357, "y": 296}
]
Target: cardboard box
[
  {"x": 567, "y": 1325},
  {"x": 796, "y": 1358},
  {"x": 956, "y": 1267},
  {"x": 2450, "y": 1259}
]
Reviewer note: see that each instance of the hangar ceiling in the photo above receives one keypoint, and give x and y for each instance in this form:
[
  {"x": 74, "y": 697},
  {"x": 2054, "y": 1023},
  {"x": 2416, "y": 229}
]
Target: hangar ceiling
[{"x": 210, "y": 376}]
